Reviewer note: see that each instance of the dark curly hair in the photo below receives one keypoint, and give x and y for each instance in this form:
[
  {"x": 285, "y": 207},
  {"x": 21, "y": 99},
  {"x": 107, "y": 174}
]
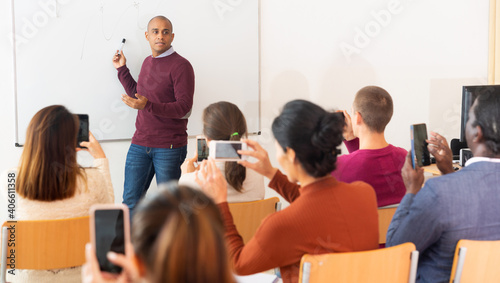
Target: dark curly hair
[
  {"x": 487, "y": 112},
  {"x": 312, "y": 132}
]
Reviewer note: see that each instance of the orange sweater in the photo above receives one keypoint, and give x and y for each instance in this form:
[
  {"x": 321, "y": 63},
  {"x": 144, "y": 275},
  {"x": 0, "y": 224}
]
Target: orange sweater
[{"x": 324, "y": 217}]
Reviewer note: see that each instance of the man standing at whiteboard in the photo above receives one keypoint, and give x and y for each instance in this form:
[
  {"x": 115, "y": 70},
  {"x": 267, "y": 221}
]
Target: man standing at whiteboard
[{"x": 163, "y": 96}]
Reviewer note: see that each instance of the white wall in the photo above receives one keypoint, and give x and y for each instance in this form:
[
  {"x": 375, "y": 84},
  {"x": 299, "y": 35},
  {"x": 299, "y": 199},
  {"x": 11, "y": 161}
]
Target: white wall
[
  {"x": 422, "y": 55},
  {"x": 9, "y": 155}
]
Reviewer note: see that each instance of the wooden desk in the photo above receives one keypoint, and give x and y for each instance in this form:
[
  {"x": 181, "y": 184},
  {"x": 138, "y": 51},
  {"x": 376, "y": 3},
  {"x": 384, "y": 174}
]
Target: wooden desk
[
  {"x": 435, "y": 171},
  {"x": 432, "y": 169}
]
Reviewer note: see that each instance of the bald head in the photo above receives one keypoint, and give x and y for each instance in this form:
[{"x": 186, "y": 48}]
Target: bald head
[
  {"x": 161, "y": 18},
  {"x": 159, "y": 35}
]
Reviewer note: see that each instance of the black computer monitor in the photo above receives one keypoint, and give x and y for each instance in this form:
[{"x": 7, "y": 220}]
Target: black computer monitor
[{"x": 469, "y": 94}]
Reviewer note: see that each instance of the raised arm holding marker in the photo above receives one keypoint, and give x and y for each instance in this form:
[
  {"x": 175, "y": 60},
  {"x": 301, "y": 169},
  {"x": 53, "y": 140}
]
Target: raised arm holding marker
[{"x": 118, "y": 52}]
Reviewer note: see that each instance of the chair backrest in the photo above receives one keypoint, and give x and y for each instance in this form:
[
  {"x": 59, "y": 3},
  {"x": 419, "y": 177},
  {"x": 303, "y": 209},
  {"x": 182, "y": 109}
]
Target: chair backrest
[
  {"x": 476, "y": 261},
  {"x": 48, "y": 244},
  {"x": 390, "y": 265},
  {"x": 247, "y": 216},
  {"x": 385, "y": 215}
]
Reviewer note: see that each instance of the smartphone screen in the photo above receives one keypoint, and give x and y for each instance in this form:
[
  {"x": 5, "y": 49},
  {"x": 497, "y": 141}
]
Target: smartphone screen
[
  {"x": 83, "y": 131},
  {"x": 227, "y": 150},
  {"x": 202, "y": 149},
  {"x": 419, "y": 151},
  {"x": 109, "y": 236}
]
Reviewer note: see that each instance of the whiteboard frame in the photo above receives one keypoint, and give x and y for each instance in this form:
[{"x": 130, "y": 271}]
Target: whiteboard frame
[{"x": 15, "y": 75}]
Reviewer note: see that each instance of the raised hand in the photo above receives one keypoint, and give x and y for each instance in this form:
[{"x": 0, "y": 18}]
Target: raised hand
[
  {"x": 119, "y": 59},
  {"x": 93, "y": 147},
  {"x": 439, "y": 148},
  {"x": 211, "y": 181},
  {"x": 263, "y": 165},
  {"x": 413, "y": 178},
  {"x": 188, "y": 165},
  {"x": 348, "y": 132}
]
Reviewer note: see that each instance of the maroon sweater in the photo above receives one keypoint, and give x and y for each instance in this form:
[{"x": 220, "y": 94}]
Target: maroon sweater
[
  {"x": 381, "y": 168},
  {"x": 168, "y": 84}
]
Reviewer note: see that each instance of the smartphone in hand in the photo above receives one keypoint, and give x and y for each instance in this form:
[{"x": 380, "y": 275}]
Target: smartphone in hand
[
  {"x": 201, "y": 143},
  {"x": 227, "y": 150},
  {"x": 109, "y": 231},
  {"x": 419, "y": 152},
  {"x": 83, "y": 131}
]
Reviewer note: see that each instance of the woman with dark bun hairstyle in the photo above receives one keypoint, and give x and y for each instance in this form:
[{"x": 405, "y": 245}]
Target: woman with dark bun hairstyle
[{"x": 324, "y": 216}]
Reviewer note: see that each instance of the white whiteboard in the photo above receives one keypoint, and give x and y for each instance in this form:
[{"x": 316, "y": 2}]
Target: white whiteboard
[{"x": 63, "y": 52}]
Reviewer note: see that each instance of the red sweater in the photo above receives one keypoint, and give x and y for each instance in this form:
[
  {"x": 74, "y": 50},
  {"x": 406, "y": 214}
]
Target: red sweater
[
  {"x": 168, "y": 84},
  {"x": 381, "y": 168},
  {"x": 326, "y": 216}
]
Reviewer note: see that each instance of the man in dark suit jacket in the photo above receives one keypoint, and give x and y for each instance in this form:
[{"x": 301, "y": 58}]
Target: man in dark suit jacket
[{"x": 457, "y": 205}]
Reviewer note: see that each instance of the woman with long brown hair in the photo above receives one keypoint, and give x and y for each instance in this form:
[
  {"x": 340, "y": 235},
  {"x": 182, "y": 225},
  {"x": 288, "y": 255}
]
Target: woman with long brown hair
[
  {"x": 177, "y": 236},
  {"x": 50, "y": 184},
  {"x": 224, "y": 121}
]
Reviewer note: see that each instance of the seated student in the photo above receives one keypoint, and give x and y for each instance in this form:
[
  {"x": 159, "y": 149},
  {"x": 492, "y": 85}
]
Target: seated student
[
  {"x": 178, "y": 236},
  {"x": 224, "y": 121},
  {"x": 459, "y": 205},
  {"x": 371, "y": 159},
  {"x": 324, "y": 215},
  {"x": 51, "y": 185}
]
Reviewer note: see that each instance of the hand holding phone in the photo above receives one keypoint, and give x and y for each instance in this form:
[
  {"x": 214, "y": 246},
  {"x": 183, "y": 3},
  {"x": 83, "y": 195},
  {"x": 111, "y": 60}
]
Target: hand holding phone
[
  {"x": 413, "y": 179},
  {"x": 227, "y": 150},
  {"x": 83, "y": 131},
  {"x": 93, "y": 147},
  {"x": 109, "y": 231},
  {"x": 419, "y": 152},
  {"x": 201, "y": 144},
  {"x": 92, "y": 273}
]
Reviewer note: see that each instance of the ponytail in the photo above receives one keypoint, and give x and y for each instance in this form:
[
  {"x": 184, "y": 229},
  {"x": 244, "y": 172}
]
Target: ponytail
[{"x": 224, "y": 121}]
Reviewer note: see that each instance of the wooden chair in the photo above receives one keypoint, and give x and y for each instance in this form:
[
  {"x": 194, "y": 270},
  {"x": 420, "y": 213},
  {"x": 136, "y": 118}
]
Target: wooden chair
[
  {"x": 390, "y": 265},
  {"x": 476, "y": 261},
  {"x": 247, "y": 216},
  {"x": 385, "y": 214},
  {"x": 45, "y": 244}
]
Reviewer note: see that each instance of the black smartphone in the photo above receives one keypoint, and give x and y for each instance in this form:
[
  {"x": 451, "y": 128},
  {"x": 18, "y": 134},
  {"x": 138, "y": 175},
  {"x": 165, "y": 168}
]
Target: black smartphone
[
  {"x": 419, "y": 152},
  {"x": 109, "y": 229},
  {"x": 83, "y": 131},
  {"x": 201, "y": 144}
]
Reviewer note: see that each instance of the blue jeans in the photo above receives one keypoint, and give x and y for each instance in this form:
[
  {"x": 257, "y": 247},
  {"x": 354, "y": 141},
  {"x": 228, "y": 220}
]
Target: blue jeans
[{"x": 143, "y": 163}]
